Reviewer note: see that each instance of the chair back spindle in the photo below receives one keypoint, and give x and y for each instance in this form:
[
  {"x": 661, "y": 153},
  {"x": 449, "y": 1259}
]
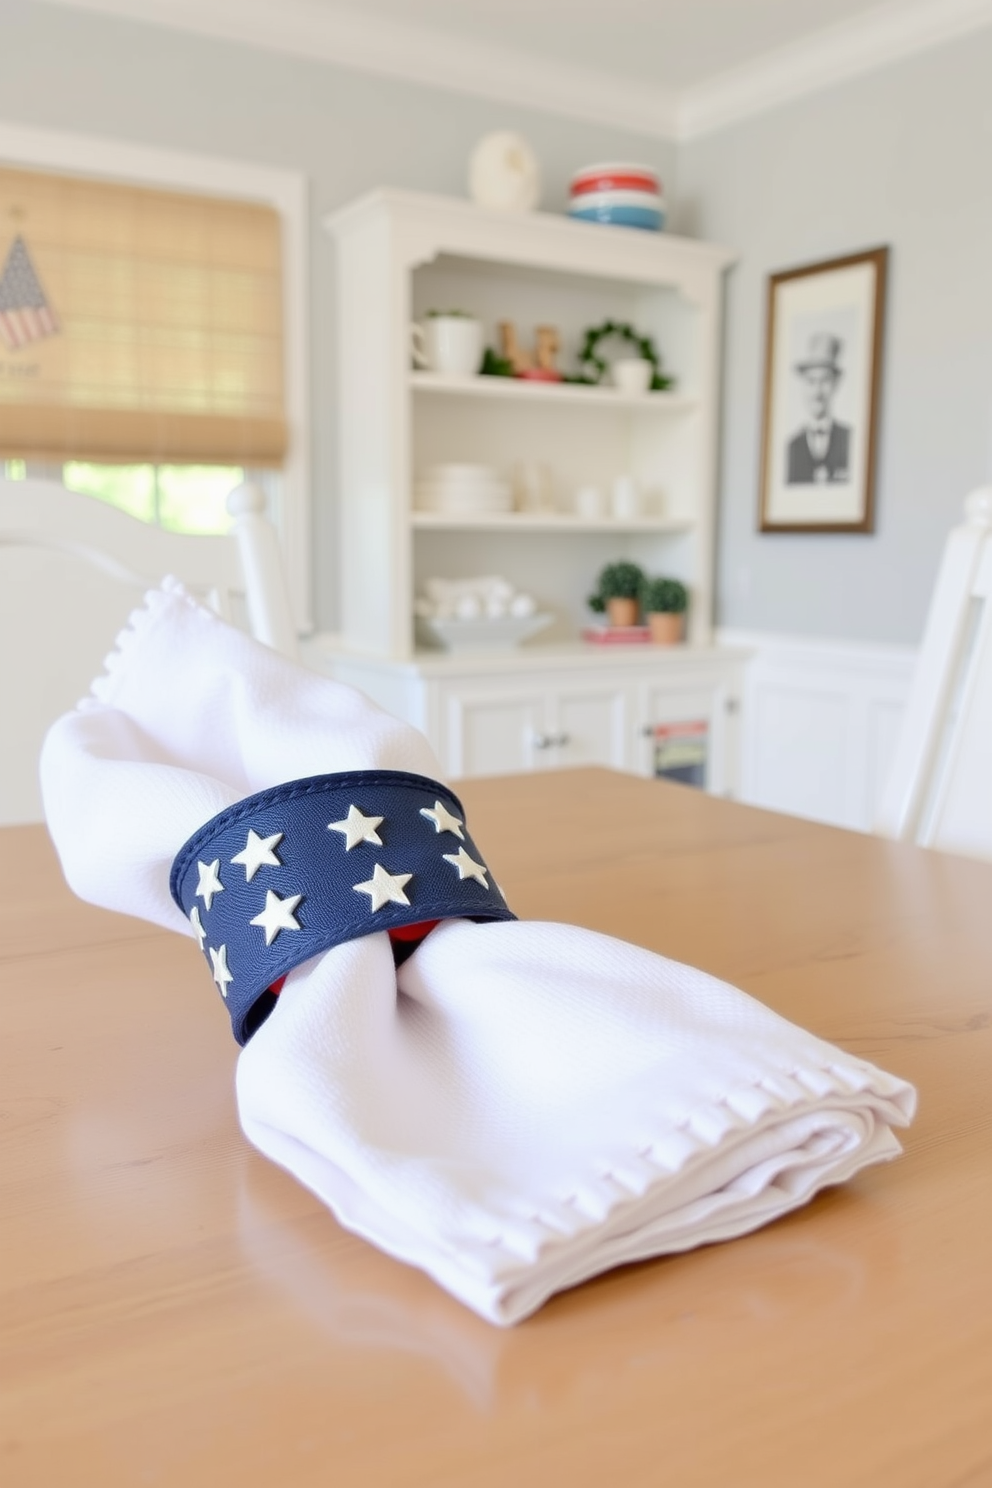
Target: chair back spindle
[{"x": 939, "y": 791}]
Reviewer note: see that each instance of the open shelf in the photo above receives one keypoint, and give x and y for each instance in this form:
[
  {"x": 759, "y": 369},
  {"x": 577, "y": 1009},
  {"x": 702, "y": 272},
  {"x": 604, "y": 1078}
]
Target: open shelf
[
  {"x": 569, "y": 393},
  {"x": 560, "y": 522},
  {"x": 400, "y": 255}
]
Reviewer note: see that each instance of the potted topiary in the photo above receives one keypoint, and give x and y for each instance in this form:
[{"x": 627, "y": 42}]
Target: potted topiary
[
  {"x": 618, "y": 591},
  {"x": 665, "y": 602}
]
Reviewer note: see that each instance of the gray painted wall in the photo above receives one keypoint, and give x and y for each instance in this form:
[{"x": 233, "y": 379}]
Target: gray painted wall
[
  {"x": 348, "y": 132},
  {"x": 904, "y": 157},
  {"x": 899, "y": 157}
]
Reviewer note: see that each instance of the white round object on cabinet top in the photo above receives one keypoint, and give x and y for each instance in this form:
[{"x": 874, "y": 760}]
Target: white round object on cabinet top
[{"x": 503, "y": 173}]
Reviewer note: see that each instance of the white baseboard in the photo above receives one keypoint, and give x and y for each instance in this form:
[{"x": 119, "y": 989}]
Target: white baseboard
[{"x": 820, "y": 722}]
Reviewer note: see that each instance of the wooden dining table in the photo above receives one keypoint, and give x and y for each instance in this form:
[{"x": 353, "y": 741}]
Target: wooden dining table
[{"x": 175, "y": 1310}]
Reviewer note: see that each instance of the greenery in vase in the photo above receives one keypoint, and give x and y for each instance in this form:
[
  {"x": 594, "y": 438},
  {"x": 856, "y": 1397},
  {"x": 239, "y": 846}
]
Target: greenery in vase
[
  {"x": 621, "y": 580},
  {"x": 664, "y": 597},
  {"x": 449, "y": 315},
  {"x": 593, "y": 366}
]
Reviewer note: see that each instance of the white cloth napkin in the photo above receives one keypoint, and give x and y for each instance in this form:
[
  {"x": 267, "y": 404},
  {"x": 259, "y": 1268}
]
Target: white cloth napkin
[{"x": 520, "y": 1105}]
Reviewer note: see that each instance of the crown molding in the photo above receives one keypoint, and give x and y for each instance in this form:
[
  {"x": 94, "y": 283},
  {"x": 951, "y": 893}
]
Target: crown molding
[
  {"x": 346, "y": 37},
  {"x": 871, "y": 41},
  {"x": 148, "y": 165},
  {"x": 349, "y": 38}
]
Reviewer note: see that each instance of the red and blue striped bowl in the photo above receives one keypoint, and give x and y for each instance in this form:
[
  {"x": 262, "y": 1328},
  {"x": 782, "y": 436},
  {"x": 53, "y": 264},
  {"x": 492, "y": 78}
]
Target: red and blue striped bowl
[{"x": 622, "y": 195}]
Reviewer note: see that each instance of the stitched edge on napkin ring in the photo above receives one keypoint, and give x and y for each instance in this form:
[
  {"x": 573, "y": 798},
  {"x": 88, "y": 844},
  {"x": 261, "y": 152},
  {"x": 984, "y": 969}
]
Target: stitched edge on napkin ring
[{"x": 290, "y": 872}]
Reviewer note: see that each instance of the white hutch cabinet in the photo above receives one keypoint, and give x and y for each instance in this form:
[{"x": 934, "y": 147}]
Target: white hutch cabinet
[{"x": 555, "y": 701}]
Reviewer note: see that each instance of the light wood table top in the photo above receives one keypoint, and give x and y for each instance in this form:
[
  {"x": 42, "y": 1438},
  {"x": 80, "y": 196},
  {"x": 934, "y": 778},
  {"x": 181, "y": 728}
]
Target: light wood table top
[{"x": 176, "y": 1310}]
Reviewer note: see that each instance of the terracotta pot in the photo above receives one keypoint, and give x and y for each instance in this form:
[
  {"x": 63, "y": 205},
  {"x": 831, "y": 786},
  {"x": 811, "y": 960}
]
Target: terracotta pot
[
  {"x": 666, "y": 629},
  {"x": 622, "y": 611}
]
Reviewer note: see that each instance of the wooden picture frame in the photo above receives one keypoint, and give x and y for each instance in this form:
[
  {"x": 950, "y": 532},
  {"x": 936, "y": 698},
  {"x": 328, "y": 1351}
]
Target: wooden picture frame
[{"x": 823, "y": 354}]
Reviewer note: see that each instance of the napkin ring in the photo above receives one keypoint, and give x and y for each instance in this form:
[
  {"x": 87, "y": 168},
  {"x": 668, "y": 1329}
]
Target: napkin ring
[{"x": 286, "y": 874}]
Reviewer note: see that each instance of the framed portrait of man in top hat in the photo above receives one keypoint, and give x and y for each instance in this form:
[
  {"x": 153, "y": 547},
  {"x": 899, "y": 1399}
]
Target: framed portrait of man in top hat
[{"x": 822, "y": 376}]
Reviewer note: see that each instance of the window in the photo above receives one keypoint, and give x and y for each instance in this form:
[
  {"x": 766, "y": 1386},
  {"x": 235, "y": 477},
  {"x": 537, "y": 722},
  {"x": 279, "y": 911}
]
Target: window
[
  {"x": 180, "y": 498},
  {"x": 142, "y": 328},
  {"x": 199, "y": 178}
]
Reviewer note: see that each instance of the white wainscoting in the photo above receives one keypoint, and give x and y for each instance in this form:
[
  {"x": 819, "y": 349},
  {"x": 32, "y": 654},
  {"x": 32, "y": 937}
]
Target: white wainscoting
[{"x": 820, "y": 723}]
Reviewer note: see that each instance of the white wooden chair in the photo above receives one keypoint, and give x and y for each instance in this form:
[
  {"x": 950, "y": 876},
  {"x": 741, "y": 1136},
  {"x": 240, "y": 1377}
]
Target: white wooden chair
[
  {"x": 71, "y": 570},
  {"x": 940, "y": 790}
]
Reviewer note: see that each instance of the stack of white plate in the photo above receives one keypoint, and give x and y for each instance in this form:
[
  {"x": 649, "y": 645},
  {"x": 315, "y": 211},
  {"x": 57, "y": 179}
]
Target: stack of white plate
[{"x": 462, "y": 490}]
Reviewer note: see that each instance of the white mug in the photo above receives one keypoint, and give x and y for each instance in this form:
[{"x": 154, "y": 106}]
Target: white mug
[
  {"x": 626, "y": 499},
  {"x": 451, "y": 344}
]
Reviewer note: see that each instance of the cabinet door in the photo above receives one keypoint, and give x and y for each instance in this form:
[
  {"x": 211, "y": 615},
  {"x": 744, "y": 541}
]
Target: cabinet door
[
  {"x": 683, "y": 733},
  {"x": 588, "y": 726},
  {"x": 493, "y": 732}
]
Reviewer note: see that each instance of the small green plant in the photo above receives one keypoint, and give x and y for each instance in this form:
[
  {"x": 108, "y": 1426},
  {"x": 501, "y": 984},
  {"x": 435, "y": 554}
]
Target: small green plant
[
  {"x": 493, "y": 365},
  {"x": 449, "y": 315},
  {"x": 664, "y": 597},
  {"x": 620, "y": 580}
]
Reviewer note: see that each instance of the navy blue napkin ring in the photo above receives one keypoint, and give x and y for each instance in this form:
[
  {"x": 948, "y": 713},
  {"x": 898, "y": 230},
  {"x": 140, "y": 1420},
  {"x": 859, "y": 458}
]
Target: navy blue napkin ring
[{"x": 286, "y": 874}]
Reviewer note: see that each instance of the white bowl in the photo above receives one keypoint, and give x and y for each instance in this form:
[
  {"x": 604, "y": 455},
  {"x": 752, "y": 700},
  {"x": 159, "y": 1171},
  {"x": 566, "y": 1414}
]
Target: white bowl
[{"x": 480, "y": 635}]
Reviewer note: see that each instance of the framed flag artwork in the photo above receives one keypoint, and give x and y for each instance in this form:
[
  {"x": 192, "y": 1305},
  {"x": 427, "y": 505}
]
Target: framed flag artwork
[{"x": 823, "y": 352}]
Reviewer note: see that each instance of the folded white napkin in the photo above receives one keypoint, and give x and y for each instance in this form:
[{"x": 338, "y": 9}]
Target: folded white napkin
[{"x": 519, "y": 1105}]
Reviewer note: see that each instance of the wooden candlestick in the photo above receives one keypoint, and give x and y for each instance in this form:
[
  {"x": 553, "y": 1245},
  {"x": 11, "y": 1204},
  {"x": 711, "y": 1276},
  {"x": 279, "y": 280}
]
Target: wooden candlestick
[
  {"x": 511, "y": 349},
  {"x": 548, "y": 347}
]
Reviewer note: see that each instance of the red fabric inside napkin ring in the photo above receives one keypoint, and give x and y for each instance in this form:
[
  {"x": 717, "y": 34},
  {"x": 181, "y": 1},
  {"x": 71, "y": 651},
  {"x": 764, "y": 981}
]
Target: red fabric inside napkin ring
[{"x": 409, "y": 936}]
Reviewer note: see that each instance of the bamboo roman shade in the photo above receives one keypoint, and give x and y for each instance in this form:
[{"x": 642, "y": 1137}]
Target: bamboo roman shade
[{"x": 138, "y": 324}]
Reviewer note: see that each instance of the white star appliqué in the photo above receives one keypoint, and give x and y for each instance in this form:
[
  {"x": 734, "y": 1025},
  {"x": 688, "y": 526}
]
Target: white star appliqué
[
  {"x": 197, "y": 923},
  {"x": 257, "y": 853},
  {"x": 358, "y": 828},
  {"x": 210, "y": 883},
  {"x": 277, "y": 915},
  {"x": 443, "y": 819},
  {"x": 222, "y": 974},
  {"x": 467, "y": 867},
  {"x": 384, "y": 888}
]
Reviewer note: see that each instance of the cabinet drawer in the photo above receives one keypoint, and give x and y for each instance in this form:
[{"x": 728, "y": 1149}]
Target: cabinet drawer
[
  {"x": 544, "y": 726},
  {"x": 589, "y": 726},
  {"x": 492, "y": 732}
]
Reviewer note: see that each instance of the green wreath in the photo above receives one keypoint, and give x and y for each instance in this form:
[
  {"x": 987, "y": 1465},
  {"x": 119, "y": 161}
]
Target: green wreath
[{"x": 594, "y": 368}]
